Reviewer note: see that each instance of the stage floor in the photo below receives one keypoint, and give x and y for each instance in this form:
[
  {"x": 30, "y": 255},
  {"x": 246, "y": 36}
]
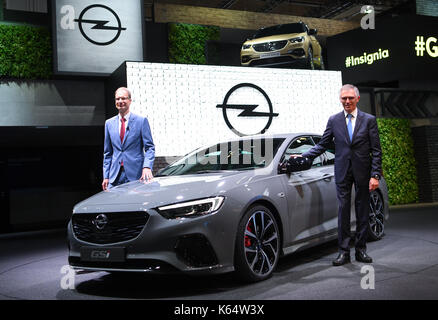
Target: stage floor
[{"x": 405, "y": 267}]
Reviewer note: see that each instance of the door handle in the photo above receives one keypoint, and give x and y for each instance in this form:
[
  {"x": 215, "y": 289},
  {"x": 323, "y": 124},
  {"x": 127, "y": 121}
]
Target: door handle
[{"x": 327, "y": 177}]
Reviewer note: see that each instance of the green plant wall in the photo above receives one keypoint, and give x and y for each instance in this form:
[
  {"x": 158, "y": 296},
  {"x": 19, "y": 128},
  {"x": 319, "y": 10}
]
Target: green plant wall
[
  {"x": 398, "y": 161},
  {"x": 25, "y": 52},
  {"x": 187, "y": 42}
]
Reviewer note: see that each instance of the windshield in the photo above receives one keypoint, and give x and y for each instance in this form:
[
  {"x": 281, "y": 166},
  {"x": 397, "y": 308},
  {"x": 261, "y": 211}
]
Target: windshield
[
  {"x": 233, "y": 155},
  {"x": 280, "y": 29}
]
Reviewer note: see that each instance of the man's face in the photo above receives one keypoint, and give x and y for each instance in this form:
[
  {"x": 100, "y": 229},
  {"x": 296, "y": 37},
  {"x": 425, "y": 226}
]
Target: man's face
[
  {"x": 349, "y": 100},
  {"x": 122, "y": 101}
]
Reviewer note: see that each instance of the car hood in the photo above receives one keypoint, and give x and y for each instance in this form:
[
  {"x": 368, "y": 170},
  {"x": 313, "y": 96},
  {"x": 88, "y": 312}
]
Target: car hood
[
  {"x": 139, "y": 195},
  {"x": 275, "y": 38}
]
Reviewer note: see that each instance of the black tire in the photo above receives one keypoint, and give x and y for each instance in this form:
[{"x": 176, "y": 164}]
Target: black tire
[
  {"x": 257, "y": 245},
  {"x": 376, "y": 226},
  {"x": 310, "y": 62},
  {"x": 322, "y": 65}
]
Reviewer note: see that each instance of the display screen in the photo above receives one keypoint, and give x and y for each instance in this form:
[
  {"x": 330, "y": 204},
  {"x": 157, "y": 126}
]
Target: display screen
[
  {"x": 189, "y": 106},
  {"x": 402, "y": 48},
  {"x": 96, "y": 37}
]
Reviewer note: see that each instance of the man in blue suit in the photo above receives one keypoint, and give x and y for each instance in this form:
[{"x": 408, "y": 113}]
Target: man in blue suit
[
  {"x": 358, "y": 162},
  {"x": 129, "y": 150}
]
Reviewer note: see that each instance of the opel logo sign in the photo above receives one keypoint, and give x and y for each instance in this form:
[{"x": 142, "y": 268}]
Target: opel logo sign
[
  {"x": 100, "y": 221},
  {"x": 99, "y": 26},
  {"x": 240, "y": 102}
]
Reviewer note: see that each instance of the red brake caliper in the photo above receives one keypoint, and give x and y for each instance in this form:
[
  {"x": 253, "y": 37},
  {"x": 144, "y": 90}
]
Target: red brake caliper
[{"x": 248, "y": 239}]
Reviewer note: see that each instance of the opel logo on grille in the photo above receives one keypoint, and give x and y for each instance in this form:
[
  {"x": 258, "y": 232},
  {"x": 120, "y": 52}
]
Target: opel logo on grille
[{"x": 100, "y": 221}]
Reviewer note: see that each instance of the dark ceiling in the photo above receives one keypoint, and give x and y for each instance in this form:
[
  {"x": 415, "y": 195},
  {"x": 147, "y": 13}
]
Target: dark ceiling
[{"x": 327, "y": 9}]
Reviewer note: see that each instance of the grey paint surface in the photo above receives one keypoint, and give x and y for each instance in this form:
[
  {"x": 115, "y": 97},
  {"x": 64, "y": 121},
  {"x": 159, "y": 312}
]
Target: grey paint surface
[{"x": 304, "y": 202}]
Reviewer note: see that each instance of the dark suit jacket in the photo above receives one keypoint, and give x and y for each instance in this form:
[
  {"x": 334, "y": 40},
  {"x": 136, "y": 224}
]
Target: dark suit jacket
[
  {"x": 364, "y": 151},
  {"x": 137, "y": 150}
]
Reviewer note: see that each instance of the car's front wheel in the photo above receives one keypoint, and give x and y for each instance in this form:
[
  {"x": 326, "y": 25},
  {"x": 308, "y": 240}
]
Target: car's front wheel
[
  {"x": 310, "y": 62},
  {"x": 376, "y": 227},
  {"x": 257, "y": 245}
]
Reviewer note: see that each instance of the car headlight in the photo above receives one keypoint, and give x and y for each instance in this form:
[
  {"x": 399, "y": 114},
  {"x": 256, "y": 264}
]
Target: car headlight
[
  {"x": 246, "y": 46},
  {"x": 191, "y": 209},
  {"x": 296, "y": 40}
]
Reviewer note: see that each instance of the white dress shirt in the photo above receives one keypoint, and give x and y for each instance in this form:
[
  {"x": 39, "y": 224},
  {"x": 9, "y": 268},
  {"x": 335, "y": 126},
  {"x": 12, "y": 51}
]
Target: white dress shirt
[{"x": 353, "y": 118}]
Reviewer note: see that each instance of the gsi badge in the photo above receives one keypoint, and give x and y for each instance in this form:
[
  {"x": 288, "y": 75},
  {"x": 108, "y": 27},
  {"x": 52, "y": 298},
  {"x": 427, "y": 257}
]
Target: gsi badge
[
  {"x": 96, "y": 31},
  {"x": 100, "y": 254}
]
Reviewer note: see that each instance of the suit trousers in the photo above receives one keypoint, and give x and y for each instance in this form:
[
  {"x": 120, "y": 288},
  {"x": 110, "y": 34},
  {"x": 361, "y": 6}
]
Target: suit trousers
[{"x": 362, "y": 200}]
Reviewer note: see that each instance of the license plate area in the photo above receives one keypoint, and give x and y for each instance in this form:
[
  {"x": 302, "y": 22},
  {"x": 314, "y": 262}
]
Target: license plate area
[
  {"x": 109, "y": 254},
  {"x": 269, "y": 55}
]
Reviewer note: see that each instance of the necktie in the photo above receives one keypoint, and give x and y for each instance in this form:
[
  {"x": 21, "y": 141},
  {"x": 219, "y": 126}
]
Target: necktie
[
  {"x": 350, "y": 126},
  {"x": 122, "y": 129},
  {"x": 122, "y": 133}
]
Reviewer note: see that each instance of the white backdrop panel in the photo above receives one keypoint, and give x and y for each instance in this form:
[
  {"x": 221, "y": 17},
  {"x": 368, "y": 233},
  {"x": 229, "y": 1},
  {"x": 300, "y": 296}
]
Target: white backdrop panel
[{"x": 180, "y": 101}]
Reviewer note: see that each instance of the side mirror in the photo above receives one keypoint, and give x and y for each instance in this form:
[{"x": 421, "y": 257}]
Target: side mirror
[
  {"x": 313, "y": 32},
  {"x": 295, "y": 164}
]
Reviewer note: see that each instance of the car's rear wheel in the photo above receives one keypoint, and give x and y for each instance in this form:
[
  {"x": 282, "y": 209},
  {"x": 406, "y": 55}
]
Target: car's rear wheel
[
  {"x": 257, "y": 245},
  {"x": 376, "y": 227}
]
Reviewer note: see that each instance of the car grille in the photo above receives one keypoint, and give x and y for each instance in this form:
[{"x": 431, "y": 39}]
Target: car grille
[
  {"x": 119, "y": 226},
  {"x": 270, "y": 46}
]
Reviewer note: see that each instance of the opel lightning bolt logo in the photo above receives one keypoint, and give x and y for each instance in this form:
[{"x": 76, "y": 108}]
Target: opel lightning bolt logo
[
  {"x": 248, "y": 109},
  {"x": 100, "y": 25},
  {"x": 100, "y": 221}
]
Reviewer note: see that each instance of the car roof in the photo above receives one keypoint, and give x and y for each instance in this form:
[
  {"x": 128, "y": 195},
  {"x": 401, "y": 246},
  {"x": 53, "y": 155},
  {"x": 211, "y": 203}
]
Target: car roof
[{"x": 276, "y": 135}]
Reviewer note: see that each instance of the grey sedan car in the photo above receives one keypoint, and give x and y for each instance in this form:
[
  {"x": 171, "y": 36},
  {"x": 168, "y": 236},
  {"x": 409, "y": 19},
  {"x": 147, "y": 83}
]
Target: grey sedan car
[{"x": 234, "y": 206}]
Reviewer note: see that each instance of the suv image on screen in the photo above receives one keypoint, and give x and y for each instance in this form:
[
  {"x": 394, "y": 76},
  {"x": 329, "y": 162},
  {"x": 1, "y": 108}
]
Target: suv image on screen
[{"x": 284, "y": 45}]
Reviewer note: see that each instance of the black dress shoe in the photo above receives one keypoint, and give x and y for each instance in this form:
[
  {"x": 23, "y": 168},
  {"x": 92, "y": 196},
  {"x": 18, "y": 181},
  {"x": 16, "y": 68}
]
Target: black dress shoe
[
  {"x": 342, "y": 258},
  {"x": 362, "y": 256}
]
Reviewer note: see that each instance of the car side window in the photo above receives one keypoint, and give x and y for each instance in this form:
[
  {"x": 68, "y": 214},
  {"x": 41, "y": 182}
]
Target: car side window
[
  {"x": 329, "y": 153},
  {"x": 299, "y": 146}
]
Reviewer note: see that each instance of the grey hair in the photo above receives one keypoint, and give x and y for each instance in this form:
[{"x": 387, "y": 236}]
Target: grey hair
[
  {"x": 125, "y": 89},
  {"x": 348, "y": 87}
]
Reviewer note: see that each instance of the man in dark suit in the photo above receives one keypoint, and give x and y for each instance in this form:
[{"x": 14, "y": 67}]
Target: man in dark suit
[
  {"x": 358, "y": 162},
  {"x": 129, "y": 150}
]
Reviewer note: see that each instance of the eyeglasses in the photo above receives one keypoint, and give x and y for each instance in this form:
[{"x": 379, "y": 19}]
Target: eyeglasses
[
  {"x": 347, "y": 98},
  {"x": 123, "y": 98}
]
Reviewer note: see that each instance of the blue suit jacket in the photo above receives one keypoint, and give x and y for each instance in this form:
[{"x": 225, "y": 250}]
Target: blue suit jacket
[
  {"x": 137, "y": 150},
  {"x": 364, "y": 151}
]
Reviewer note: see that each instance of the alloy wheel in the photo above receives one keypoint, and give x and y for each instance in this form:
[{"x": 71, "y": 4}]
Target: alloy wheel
[
  {"x": 376, "y": 217},
  {"x": 261, "y": 243}
]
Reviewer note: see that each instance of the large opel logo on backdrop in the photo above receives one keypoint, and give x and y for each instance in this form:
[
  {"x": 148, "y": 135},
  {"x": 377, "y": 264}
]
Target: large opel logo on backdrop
[
  {"x": 236, "y": 99},
  {"x": 100, "y": 33},
  {"x": 100, "y": 221}
]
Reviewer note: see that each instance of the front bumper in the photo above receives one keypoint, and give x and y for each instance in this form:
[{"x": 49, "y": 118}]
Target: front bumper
[
  {"x": 291, "y": 54},
  {"x": 193, "y": 245},
  {"x": 283, "y": 61}
]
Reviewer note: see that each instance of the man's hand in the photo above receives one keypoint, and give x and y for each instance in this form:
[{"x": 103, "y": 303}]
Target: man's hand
[
  {"x": 105, "y": 184},
  {"x": 374, "y": 184},
  {"x": 146, "y": 175}
]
